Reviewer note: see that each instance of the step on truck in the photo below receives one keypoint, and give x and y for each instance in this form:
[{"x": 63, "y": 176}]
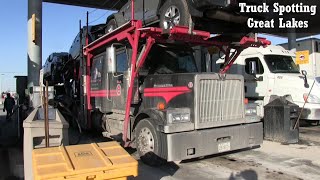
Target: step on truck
[{"x": 143, "y": 85}]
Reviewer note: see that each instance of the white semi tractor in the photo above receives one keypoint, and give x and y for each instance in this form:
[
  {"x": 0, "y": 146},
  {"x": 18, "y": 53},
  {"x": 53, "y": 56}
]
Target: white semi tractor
[{"x": 272, "y": 71}]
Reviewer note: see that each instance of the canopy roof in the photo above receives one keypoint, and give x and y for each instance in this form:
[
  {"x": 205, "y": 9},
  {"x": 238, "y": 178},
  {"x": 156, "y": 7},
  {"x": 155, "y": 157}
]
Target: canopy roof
[{"x": 100, "y": 4}]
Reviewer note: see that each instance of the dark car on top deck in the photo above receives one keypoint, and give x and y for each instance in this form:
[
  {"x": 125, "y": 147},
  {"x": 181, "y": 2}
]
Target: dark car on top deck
[
  {"x": 94, "y": 32},
  {"x": 215, "y": 16},
  {"x": 53, "y": 66}
]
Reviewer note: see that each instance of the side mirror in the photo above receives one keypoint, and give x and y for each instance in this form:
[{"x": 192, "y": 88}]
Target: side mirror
[
  {"x": 252, "y": 67},
  {"x": 260, "y": 78},
  {"x": 111, "y": 59},
  {"x": 304, "y": 72}
]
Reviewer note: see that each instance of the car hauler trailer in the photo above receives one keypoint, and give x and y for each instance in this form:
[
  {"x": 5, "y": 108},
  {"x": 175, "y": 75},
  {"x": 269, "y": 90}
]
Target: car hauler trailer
[{"x": 143, "y": 85}]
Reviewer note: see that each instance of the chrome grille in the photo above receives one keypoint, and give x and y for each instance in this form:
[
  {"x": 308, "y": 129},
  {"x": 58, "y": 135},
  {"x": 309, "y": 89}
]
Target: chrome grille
[
  {"x": 209, "y": 101},
  {"x": 220, "y": 102}
]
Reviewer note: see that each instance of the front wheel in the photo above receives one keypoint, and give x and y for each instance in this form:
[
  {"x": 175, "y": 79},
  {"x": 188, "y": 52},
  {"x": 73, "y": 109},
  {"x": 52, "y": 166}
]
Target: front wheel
[
  {"x": 149, "y": 142},
  {"x": 174, "y": 13}
]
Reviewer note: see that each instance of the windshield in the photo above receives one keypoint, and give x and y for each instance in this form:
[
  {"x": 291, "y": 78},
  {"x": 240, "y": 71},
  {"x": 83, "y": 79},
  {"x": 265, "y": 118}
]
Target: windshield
[
  {"x": 168, "y": 60},
  {"x": 281, "y": 64}
]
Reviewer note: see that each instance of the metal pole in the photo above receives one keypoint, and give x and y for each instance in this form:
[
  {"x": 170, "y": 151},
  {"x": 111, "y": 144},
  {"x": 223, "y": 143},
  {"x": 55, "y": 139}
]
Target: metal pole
[
  {"x": 292, "y": 40},
  {"x": 305, "y": 101},
  {"x": 1, "y": 84},
  {"x": 18, "y": 125},
  {"x": 34, "y": 47},
  {"x": 87, "y": 31},
  {"x": 132, "y": 9},
  {"x": 46, "y": 114}
]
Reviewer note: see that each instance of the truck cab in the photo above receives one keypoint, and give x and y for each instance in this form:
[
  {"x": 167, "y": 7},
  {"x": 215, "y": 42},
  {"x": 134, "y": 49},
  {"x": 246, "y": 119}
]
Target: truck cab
[{"x": 272, "y": 71}]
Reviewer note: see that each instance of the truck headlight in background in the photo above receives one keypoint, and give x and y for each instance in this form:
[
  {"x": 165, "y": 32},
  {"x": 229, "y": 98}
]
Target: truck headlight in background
[
  {"x": 251, "y": 114},
  {"x": 317, "y": 79},
  {"x": 311, "y": 99},
  {"x": 178, "y": 115}
]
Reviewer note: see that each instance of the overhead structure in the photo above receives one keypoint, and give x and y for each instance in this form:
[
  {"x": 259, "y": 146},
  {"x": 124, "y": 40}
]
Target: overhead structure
[{"x": 100, "y": 4}]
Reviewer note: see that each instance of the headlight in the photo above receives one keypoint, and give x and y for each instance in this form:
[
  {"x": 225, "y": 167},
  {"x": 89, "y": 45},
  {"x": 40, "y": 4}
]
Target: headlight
[
  {"x": 311, "y": 99},
  {"x": 251, "y": 109},
  {"x": 318, "y": 79},
  {"x": 178, "y": 115}
]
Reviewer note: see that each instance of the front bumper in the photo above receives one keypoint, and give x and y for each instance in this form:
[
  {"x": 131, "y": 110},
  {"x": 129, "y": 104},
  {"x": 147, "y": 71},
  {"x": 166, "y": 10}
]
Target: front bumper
[
  {"x": 207, "y": 141},
  {"x": 310, "y": 112}
]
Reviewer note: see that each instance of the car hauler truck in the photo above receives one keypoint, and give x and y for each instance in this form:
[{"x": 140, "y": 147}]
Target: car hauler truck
[
  {"x": 143, "y": 85},
  {"x": 272, "y": 71}
]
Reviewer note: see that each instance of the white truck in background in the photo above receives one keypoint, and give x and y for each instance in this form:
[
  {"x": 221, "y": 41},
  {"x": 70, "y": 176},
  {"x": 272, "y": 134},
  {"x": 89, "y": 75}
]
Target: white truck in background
[
  {"x": 272, "y": 71},
  {"x": 313, "y": 46}
]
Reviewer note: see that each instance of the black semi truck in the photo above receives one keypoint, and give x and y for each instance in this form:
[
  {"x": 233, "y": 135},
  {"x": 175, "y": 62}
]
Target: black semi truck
[{"x": 144, "y": 86}]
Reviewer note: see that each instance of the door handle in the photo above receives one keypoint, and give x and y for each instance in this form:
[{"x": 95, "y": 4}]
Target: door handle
[
  {"x": 260, "y": 78},
  {"x": 120, "y": 79}
]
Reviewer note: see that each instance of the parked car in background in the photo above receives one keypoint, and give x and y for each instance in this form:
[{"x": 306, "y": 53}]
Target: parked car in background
[
  {"x": 214, "y": 15},
  {"x": 53, "y": 66}
]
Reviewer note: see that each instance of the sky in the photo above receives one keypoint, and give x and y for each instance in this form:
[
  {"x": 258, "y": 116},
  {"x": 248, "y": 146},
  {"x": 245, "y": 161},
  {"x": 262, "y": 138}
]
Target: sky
[{"x": 60, "y": 26}]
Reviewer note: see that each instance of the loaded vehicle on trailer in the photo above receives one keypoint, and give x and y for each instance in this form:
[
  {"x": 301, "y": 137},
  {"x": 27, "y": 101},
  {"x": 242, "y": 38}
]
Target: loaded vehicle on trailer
[
  {"x": 53, "y": 66},
  {"x": 144, "y": 86},
  {"x": 216, "y": 16}
]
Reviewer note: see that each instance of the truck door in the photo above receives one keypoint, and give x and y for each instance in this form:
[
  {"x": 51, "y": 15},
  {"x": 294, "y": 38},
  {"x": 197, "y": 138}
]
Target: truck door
[
  {"x": 255, "y": 86},
  {"x": 96, "y": 81},
  {"x": 119, "y": 80}
]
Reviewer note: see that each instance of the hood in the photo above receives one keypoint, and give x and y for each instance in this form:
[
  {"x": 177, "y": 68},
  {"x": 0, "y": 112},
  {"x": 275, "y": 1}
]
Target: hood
[{"x": 289, "y": 83}]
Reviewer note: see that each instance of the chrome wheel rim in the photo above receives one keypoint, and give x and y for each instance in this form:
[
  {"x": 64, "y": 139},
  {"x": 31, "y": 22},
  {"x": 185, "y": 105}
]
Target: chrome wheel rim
[
  {"x": 146, "y": 141},
  {"x": 171, "y": 17}
]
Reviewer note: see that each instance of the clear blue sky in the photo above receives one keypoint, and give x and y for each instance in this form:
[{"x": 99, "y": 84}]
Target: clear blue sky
[{"x": 60, "y": 26}]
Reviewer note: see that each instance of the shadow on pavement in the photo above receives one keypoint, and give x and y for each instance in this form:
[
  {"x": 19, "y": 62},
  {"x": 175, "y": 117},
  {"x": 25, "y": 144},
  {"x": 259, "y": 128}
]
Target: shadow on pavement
[
  {"x": 244, "y": 175},
  {"x": 11, "y": 158},
  {"x": 217, "y": 155}
]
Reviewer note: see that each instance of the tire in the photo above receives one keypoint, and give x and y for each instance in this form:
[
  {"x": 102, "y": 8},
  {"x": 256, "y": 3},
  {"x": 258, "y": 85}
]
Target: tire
[
  {"x": 173, "y": 13},
  {"x": 111, "y": 25},
  {"x": 149, "y": 143}
]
